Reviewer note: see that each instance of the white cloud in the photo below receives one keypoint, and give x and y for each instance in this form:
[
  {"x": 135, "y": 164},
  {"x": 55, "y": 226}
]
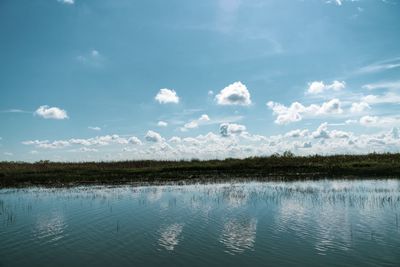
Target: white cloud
[
  {"x": 94, "y": 128},
  {"x": 86, "y": 149},
  {"x": 134, "y": 140},
  {"x": 318, "y": 87},
  {"x": 234, "y": 94},
  {"x": 381, "y": 99},
  {"x": 297, "y": 133},
  {"x": 162, "y": 124},
  {"x": 339, "y": 134},
  {"x": 94, "y": 53},
  {"x": 68, "y": 2},
  {"x": 15, "y": 110},
  {"x": 321, "y": 132},
  {"x": 351, "y": 121},
  {"x": 369, "y": 120},
  {"x": 331, "y": 107},
  {"x": 48, "y": 145},
  {"x": 383, "y": 122},
  {"x": 175, "y": 140},
  {"x": 234, "y": 141},
  {"x": 380, "y": 66},
  {"x": 165, "y": 96},
  {"x": 195, "y": 123},
  {"x": 296, "y": 110},
  {"x": 393, "y": 85},
  {"x": 51, "y": 113},
  {"x": 228, "y": 129},
  {"x": 91, "y": 58},
  {"x": 95, "y": 141},
  {"x": 8, "y": 154},
  {"x": 359, "y": 107},
  {"x": 155, "y": 137}
]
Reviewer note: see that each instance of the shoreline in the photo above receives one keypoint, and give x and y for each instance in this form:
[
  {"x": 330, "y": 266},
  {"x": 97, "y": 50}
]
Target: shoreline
[{"x": 273, "y": 168}]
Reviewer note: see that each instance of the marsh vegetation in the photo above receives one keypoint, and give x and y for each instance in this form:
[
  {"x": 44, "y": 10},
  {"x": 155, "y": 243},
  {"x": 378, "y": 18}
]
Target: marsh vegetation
[{"x": 285, "y": 167}]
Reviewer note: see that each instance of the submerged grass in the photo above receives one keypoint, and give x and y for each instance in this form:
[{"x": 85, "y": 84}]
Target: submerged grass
[{"x": 275, "y": 167}]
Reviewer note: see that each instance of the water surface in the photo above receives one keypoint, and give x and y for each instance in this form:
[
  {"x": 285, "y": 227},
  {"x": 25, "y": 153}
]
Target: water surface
[{"x": 310, "y": 223}]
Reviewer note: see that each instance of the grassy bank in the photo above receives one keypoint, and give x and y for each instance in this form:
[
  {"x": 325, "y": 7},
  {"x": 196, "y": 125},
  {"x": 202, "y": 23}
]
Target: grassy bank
[{"x": 277, "y": 167}]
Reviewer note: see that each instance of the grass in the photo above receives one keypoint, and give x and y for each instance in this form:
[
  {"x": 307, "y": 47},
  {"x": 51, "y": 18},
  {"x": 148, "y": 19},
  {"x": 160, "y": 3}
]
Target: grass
[{"x": 275, "y": 167}]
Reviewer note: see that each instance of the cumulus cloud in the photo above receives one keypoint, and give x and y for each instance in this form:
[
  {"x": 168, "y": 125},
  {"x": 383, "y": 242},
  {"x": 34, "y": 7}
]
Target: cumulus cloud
[
  {"x": 235, "y": 141},
  {"x": 155, "y": 137},
  {"x": 195, "y": 123},
  {"x": 297, "y": 133},
  {"x": 47, "y": 112},
  {"x": 162, "y": 124},
  {"x": 165, "y": 96},
  {"x": 134, "y": 140},
  {"x": 228, "y": 129},
  {"x": 48, "y": 145},
  {"x": 94, "y": 141},
  {"x": 369, "y": 120},
  {"x": 321, "y": 132},
  {"x": 234, "y": 94},
  {"x": 296, "y": 110},
  {"x": 318, "y": 87},
  {"x": 359, "y": 107}
]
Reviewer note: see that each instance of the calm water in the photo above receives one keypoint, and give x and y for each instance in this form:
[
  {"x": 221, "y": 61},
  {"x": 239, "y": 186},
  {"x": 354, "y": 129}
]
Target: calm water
[{"x": 323, "y": 223}]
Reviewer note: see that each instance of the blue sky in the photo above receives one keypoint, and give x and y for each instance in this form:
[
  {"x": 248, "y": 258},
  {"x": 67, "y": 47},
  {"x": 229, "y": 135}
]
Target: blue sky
[{"x": 122, "y": 79}]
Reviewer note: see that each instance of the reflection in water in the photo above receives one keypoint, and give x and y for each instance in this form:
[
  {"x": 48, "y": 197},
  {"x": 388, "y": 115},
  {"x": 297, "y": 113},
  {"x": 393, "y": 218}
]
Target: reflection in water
[
  {"x": 304, "y": 223},
  {"x": 239, "y": 235},
  {"x": 236, "y": 196},
  {"x": 50, "y": 229},
  {"x": 170, "y": 236},
  {"x": 154, "y": 194}
]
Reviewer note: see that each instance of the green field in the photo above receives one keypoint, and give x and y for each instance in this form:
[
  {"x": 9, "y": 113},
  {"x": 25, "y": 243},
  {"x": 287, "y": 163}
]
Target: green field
[{"x": 276, "y": 167}]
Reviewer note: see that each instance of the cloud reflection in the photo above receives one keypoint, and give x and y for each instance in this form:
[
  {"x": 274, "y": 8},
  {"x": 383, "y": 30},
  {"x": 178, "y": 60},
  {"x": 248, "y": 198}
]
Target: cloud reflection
[
  {"x": 51, "y": 229},
  {"x": 239, "y": 235},
  {"x": 170, "y": 236}
]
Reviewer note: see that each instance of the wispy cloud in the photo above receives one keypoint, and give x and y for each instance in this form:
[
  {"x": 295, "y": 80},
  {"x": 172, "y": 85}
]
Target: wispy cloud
[
  {"x": 13, "y": 110},
  {"x": 92, "y": 58},
  {"x": 94, "y": 128},
  {"x": 196, "y": 123},
  {"x": 380, "y": 66},
  {"x": 392, "y": 85},
  {"x": 389, "y": 97},
  {"x": 68, "y": 2},
  {"x": 162, "y": 123}
]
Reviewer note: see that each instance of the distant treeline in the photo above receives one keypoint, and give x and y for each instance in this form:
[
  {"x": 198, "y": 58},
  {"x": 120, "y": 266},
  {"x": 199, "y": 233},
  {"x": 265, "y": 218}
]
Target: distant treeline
[{"x": 284, "y": 167}]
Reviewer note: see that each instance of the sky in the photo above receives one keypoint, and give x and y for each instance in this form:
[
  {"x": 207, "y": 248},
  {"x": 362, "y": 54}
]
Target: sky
[{"x": 85, "y": 80}]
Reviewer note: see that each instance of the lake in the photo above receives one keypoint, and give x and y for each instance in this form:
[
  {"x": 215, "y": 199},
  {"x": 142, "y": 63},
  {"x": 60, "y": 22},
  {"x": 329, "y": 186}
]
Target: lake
[{"x": 305, "y": 223}]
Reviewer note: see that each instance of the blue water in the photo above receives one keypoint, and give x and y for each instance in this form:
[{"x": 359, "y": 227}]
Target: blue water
[{"x": 311, "y": 223}]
